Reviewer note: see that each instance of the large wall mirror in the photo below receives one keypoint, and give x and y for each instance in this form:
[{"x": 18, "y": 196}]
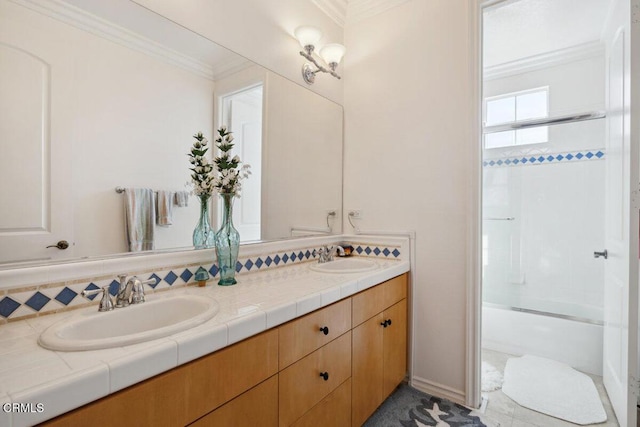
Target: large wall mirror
[{"x": 98, "y": 94}]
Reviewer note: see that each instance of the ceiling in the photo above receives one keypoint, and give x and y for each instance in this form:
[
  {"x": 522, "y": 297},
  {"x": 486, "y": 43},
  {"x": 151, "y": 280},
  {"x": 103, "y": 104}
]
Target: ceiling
[{"x": 519, "y": 29}]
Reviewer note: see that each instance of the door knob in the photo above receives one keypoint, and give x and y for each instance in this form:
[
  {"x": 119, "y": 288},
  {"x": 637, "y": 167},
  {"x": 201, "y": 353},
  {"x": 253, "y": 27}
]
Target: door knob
[
  {"x": 604, "y": 254},
  {"x": 62, "y": 245}
]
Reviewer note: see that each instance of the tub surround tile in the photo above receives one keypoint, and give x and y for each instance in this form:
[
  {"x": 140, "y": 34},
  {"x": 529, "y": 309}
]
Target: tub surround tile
[{"x": 58, "y": 397}]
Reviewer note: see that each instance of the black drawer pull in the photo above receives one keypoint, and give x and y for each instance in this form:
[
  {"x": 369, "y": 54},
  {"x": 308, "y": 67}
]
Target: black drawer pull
[
  {"x": 325, "y": 330},
  {"x": 389, "y": 322},
  {"x": 325, "y": 375},
  {"x": 384, "y": 324}
]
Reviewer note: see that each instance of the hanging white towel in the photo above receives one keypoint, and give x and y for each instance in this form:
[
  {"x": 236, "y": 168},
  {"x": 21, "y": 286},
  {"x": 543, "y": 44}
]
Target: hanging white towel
[
  {"x": 139, "y": 218},
  {"x": 164, "y": 208},
  {"x": 181, "y": 199}
]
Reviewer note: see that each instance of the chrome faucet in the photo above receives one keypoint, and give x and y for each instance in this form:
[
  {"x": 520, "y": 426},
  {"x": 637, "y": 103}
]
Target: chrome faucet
[
  {"x": 106, "y": 302},
  {"x": 325, "y": 254},
  {"x": 131, "y": 291}
]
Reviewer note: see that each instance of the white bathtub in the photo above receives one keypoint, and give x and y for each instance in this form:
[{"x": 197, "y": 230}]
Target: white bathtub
[{"x": 575, "y": 343}]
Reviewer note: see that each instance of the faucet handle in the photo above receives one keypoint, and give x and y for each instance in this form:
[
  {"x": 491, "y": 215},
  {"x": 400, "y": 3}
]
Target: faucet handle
[
  {"x": 106, "y": 302},
  {"x": 137, "y": 289}
]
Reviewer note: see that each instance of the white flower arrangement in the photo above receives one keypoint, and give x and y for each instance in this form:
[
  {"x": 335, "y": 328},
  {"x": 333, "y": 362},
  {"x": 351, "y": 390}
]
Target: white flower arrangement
[{"x": 228, "y": 178}]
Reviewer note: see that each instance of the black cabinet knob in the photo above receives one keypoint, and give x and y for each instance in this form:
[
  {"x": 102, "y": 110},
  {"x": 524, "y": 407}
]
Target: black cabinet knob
[
  {"x": 389, "y": 322},
  {"x": 325, "y": 375},
  {"x": 384, "y": 324},
  {"x": 325, "y": 330}
]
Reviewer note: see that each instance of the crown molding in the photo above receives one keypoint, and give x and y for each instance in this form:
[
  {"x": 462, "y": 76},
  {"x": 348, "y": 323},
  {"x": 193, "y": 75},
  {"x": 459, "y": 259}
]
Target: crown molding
[
  {"x": 360, "y": 10},
  {"x": 544, "y": 60},
  {"x": 334, "y": 9},
  {"x": 351, "y": 11},
  {"x": 93, "y": 24}
]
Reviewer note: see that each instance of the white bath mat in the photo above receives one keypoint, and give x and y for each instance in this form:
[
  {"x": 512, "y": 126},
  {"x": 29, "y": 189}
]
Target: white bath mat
[
  {"x": 553, "y": 388},
  {"x": 491, "y": 377}
]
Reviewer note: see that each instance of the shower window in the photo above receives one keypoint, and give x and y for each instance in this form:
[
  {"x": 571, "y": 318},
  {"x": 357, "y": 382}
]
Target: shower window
[{"x": 516, "y": 107}]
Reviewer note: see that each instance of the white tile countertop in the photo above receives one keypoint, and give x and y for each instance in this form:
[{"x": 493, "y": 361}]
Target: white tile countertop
[{"x": 48, "y": 383}]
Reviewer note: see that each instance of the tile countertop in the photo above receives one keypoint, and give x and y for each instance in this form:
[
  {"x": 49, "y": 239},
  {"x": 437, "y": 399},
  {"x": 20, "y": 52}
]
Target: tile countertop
[{"x": 54, "y": 382}]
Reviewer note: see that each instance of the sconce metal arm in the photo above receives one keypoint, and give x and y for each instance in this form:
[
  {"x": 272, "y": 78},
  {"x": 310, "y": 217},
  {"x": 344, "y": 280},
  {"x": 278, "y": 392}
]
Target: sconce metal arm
[{"x": 309, "y": 74}]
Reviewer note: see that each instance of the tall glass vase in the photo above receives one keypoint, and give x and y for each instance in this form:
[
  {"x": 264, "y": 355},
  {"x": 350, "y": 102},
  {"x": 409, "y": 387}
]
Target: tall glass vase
[
  {"x": 227, "y": 243},
  {"x": 203, "y": 234}
]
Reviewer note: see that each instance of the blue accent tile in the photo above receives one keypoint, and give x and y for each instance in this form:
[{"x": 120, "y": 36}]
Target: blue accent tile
[
  {"x": 599, "y": 154},
  {"x": 516, "y": 161},
  {"x": 300, "y": 255},
  {"x": 532, "y": 159},
  {"x": 395, "y": 253},
  {"x": 268, "y": 261},
  {"x": 276, "y": 259},
  {"x": 113, "y": 287},
  {"x": 170, "y": 278},
  {"x": 359, "y": 249},
  {"x": 523, "y": 160},
  {"x": 484, "y": 163},
  {"x": 367, "y": 250},
  {"x": 66, "y": 296},
  {"x": 569, "y": 156},
  {"x": 589, "y": 155},
  {"x": 238, "y": 266},
  {"x": 285, "y": 258},
  {"x": 37, "y": 301},
  {"x": 186, "y": 275},
  {"x": 377, "y": 251},
  {"x": 307, "y": 254},
  {"x": 8, "y": 306},
  {"x": 508, "y": 162},
  {"x": 214, "y": 270},
  {"x": 550, "y": 158},
  {"x": 499, "y": 162},
  {"x": 156, "y": 278},
  {"x": 491, "y": 163},
  {"x": 92, "y": 286},
  {"x": 559, "y": 157},
  {"x": 259, "y": 262},
  {"x": 386, "y": 251},
  {"x": 248, "y": 265},
  {"x": 293, "y": 256},
  {"x": 541, "y": 159},
  {"x": 579, "y": 156}
]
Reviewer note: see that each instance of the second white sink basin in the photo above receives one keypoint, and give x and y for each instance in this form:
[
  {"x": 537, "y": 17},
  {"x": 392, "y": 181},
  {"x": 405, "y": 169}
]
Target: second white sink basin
[
  {"x": 345, "y": 265},
  {"x": 129, "y": 325}
]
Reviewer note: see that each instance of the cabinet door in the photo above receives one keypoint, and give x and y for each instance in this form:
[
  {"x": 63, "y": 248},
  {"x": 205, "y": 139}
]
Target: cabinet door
[
  {"x": 256, "y": 407},
  {"x": 367, "y": 369},
  {"x": 395, "y": 346},
  {"x": 333, "y": 411}
]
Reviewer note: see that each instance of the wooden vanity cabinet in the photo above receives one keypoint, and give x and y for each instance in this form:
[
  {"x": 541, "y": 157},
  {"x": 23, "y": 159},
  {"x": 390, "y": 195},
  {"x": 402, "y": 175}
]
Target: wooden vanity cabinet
[
  {"x": 379, "y": 355},
  {"x": 332, "y": 367}
]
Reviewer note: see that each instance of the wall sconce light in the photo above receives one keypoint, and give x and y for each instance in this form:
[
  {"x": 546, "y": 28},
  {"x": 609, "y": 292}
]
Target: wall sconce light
[{"x": 331, "y": 53}]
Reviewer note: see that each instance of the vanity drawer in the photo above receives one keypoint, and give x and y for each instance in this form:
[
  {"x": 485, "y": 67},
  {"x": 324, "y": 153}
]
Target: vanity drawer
[
  {"x": 368, "y": 303},
  {"x": 334, "y": 410},
  {"x": 301, "y": 384},
  {"x": 306, "y": 334}
]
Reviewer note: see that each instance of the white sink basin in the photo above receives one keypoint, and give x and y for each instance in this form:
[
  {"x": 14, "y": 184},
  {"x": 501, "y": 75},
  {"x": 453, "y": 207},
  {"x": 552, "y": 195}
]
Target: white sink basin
[
  {"x": 129, "y": 325},
  {"x": 345, "y": 265}
]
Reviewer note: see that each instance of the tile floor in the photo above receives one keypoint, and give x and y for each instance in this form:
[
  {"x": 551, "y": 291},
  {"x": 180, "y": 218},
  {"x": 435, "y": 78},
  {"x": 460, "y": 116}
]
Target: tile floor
[{"x": 504, "y": 412}]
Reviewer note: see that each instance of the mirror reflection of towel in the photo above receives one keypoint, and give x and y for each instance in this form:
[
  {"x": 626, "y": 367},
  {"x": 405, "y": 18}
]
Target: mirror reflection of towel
[
  {"x": 139, "y": 218},
  {"x": 164, "y": 210},
  {"x": 181, "y": 199}
]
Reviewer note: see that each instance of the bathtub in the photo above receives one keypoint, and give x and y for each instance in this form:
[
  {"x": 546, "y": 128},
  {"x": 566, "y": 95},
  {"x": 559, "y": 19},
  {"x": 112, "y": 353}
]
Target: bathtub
[{"x": 576, "y": 343}]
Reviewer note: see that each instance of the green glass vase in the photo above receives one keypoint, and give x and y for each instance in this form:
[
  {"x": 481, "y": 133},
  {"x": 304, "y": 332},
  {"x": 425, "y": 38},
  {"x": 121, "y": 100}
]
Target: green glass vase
[
  {"x": 227, "y": 242},
  {"x": 203, "y": 234}
]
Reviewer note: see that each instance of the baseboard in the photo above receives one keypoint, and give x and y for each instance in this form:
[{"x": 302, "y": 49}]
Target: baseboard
[{"x": 438, "y": 390}]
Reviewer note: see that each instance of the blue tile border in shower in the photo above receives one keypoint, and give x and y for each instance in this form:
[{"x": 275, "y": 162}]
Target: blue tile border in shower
[
  {"x": 46, "y": 298},
  {"x": 546, "y": 158}
]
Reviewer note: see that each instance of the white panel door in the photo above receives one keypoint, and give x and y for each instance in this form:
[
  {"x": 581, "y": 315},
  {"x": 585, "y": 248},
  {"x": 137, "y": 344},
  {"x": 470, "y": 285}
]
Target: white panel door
[
  {"x": 243, "y": 115},
  {"x": 36, "y": 127},
  {"x": 621, "y": 223}
]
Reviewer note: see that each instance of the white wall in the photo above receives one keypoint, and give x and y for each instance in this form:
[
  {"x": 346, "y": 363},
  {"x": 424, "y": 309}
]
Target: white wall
[
  {"x": 261, "y": 30},
  {"x": 408, "y": 163}
]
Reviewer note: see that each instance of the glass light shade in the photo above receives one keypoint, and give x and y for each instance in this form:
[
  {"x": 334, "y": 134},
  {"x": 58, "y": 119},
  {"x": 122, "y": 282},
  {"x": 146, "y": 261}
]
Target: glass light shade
[
  {"x": 307, "y": 35},
  {"x": 332, "y": 53}
]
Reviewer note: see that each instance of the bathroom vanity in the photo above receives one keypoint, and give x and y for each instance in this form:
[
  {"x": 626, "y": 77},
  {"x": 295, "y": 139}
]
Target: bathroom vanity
[{"x": 333, "y": 366}]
